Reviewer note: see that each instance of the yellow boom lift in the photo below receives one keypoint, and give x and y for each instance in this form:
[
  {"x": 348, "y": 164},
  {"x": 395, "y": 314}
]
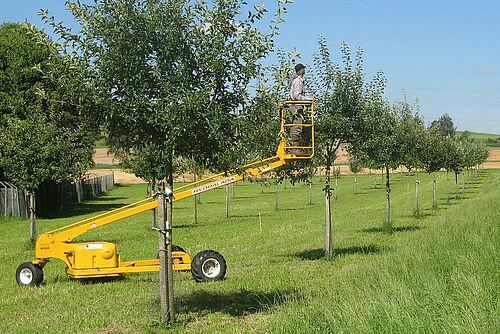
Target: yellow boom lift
[{"x": 100, "y": 259}]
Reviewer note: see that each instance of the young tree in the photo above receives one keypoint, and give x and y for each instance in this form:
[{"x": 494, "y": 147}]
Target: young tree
[
  {"x": 411, "y": 133},
  {"x": 433, "y": 157},
  {"x": 47, "y": 112},
  {"x": 355, "y": 166},
  {"x": 340, "y": 100},
  {"x": 382, "y": 148}
]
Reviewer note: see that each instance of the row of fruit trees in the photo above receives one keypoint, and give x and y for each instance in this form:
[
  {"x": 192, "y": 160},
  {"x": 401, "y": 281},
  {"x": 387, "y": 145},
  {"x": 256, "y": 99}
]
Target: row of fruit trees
[{"x": 169, "y": 80}]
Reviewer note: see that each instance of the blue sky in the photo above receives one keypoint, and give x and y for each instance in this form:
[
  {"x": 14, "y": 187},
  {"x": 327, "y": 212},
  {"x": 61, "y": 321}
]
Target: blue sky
[{"x": 445, "y": 53}]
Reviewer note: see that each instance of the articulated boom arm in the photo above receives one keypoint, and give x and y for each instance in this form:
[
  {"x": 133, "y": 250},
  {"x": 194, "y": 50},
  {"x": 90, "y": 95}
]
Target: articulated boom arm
[{"x": 67, "y": 233}]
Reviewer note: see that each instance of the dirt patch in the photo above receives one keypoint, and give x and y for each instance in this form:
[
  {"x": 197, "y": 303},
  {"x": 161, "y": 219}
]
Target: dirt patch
[
  {"x": 101, "y": 156},
  {"x": 120, "y": 176},
  {"x": 494, "y": 155}
]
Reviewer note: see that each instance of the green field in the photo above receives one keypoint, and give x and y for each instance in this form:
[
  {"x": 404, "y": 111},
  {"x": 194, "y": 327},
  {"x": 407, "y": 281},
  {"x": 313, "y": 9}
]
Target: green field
[
  {"x": 436, "y": 274},
  {"x": 490, "y": 139}
]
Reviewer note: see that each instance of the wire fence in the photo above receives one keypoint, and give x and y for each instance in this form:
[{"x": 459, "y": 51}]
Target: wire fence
[{"x": 51, "y": 198}]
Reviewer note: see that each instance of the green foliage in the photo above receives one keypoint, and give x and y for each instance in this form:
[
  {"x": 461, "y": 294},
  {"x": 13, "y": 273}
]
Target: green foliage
[
  {"x": 411, "y": 134},
  {"x": 381, "y": 146},
  {"x": 260, "y": 122},
  {"x": 47, "y": 111},
  {"x": 433, "y": 156},
  {"x": 174, "y": 75},
  {"x": 344, "y": 101},
  {"x": 444, "y": 126},
  {"x": 355, "y": 166}
]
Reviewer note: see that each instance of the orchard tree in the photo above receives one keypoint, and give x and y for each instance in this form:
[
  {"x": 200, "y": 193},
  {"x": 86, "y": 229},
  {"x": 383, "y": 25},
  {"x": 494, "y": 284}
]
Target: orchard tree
[
  {"x": 455, "y": 161},
  {"x": 433, "y": 157},
  {"x": 355, "y": 167},
  {"x": 340, "y": 94},
  {"x": 381, "y": 148},
  {"x": 48, "y": 113},
  {"x": 175, "y": 75},
  {"x": 444, "y": 126},
  {"x": 411, "y": 134}
]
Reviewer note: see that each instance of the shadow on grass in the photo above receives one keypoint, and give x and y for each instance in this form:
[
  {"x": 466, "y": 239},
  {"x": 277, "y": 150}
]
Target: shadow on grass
[
  {"x": 236, "y": 304},
  {"x": 83, "y": 209},
  {"x": 245, "y": 216},
  {"x": 396, "y": 229},
  {"x": 319, "y": 253}
]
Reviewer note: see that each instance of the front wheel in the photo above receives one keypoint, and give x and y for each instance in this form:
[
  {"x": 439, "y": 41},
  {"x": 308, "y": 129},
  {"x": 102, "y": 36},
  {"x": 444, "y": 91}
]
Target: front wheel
[
  {"x": 208, "y": 265},
  {"x": 29, "y": 274}
]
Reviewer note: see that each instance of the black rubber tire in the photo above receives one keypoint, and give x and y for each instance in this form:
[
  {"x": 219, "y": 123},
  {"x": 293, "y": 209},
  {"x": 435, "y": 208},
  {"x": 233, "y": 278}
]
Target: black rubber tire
[
  {"x": 208, "y": 265},
  {"x": 29, "y": 274}
]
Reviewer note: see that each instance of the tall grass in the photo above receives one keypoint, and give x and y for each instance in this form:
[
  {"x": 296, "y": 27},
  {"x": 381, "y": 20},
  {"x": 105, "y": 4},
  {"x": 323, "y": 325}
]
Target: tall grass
[{"x": 436, "y": 274}]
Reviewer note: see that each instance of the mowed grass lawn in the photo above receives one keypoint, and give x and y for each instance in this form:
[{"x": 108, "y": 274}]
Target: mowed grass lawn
[{"x": 435, "y": 274}]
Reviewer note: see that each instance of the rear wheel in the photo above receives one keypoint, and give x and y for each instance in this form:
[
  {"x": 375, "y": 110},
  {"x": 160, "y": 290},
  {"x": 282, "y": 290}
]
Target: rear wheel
[
  {"x": 29, "y": 274},
  {"x": 208, "y": 265}
]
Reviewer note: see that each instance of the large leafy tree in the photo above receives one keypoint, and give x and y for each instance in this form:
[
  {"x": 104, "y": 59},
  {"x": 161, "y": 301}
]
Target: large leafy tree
[
  {"x": 47, "y": 110},
  {"x": 174, "y": 73}
]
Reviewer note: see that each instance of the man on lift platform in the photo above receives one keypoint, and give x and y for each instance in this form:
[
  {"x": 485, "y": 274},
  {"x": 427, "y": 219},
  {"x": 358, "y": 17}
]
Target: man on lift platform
[{"x": 297, "y": 110}]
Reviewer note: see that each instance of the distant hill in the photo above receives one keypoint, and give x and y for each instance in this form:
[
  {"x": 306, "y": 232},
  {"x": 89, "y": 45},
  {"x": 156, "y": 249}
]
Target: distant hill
[{"x": 492, "y": 140}]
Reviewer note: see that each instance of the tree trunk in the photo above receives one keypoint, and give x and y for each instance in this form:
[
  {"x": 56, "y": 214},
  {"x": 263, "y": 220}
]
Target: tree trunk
[
  {"x": 162, "y": 255},
  {"x": 198, "y": 196},
  {"x": 336, "y": 190},
  {"x": 276, "y": 197},
  {"x": 310, "y": 192},
  {"x": 165, "y": 251},
  {"x": 195, "y": 213},
  {"x": 153, "y": 215},
  {"x": 417, "y": 207},
  {"x": 447, "y": 188},
  {"x": 387, "y": 201},
  {"x": 226, "y": 211},
  {"x": 329, "y": 246},
  {"x": 170, "y": 272},
  {"x": 434, "y": 195},
  {"x": 31, "y": 215},
  {"x": 79, "y": 188},
  {"x": 355, "y": 185},
  {"x": 463, "y": 184},
  {"x": 456, "y": 185}
]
